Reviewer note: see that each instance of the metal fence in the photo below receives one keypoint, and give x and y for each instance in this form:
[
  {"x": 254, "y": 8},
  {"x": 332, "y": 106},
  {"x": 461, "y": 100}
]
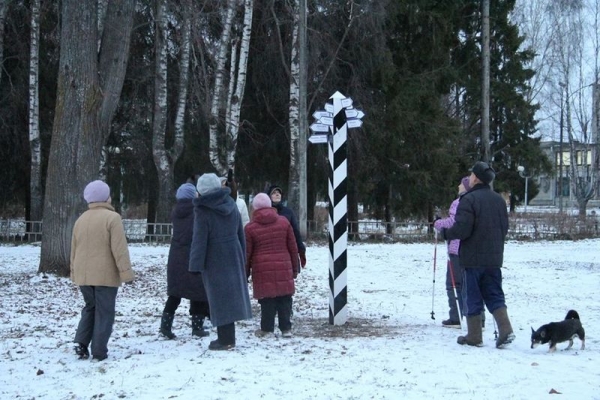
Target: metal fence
[{"x": 521, "y": 227}]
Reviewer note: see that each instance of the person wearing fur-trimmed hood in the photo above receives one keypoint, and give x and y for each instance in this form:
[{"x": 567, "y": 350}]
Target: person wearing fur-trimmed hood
[{"x": 219, "y": 253}]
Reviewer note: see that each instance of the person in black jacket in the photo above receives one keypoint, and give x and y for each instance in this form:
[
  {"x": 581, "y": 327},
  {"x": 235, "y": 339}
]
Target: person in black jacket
[
  {"x": 481, "y": 225},
  {"x": 276, "y": 194},
  {"x": 180, "y": 282}
]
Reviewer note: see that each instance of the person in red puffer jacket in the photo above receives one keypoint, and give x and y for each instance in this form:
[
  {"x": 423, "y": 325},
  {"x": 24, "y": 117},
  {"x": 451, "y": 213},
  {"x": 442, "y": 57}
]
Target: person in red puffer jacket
[{"x": 272, "y": 261}]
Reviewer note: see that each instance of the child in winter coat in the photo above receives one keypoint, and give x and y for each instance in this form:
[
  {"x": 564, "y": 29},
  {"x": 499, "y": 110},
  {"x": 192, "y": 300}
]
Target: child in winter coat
[
  {"x": 272, "y": 261},
  {"x": 453, "y": 269}
]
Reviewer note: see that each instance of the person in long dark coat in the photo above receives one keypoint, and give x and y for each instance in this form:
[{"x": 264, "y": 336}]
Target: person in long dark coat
[
  {"x": 276, "y": 194},
  {"x": 180, "y": 282},
  {"x": 219, "y": 253}
]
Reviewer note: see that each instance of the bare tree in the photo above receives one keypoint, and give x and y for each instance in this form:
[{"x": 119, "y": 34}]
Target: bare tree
[
  {"x": 35, "y": 182},
  {"x": 568, "y": 48},
  {"x": 88, "y": 91},
  {"x": 236, "y": 95},
  {"x": 215, "y": 152},
  {"x": 165, "y": 158}
]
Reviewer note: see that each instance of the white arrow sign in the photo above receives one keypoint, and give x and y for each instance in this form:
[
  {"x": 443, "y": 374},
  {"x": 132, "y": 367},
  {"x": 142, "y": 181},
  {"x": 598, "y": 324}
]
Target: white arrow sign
[
  {"x": 329, "y": 107},
  {"x": 320, "y": 114},
  {"x": 347, "y": 102},
  {"x": 319, "y": 128},
  {"x": 354, "y": 123},
  {"x": 316, "y": 139},
  {"x": 354, "y": 113},
  {"x": 326, "y": 120}
]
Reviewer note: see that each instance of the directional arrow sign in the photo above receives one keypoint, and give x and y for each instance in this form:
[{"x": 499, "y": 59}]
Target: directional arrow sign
[
  {"x": 329, "y": 107},
  {"x": 346, "y": 102},
  {"x": 326, "y": 120},
  {"x": 354, "y": 113},
  {"x": 319, "y": 128},
  {"x": 320, "y": 114},
  {"x": 318, "y": 138},
  {"x": 354, "y": 123}
]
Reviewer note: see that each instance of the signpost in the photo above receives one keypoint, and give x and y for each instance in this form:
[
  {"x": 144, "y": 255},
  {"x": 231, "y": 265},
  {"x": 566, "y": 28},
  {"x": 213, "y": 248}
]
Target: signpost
[{"x": 335, "y": 120}]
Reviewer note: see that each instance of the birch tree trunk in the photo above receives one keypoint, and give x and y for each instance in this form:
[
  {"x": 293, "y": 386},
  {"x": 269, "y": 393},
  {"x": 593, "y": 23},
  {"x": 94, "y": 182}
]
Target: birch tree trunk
[
  {"x": 233, "y": 121},
  {"x": 303, "y": 121},
  {"x": 215, "y": 150},
  {"x": 88, "y": 91},
  {"x": 165, "y": 159},
  {"x": 35, "y": 179},
  {"x": 293, "y": 120}
]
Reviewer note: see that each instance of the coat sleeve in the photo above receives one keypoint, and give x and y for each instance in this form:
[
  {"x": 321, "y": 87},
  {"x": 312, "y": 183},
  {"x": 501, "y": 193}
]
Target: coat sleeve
[
  {"x": 292, "y": 248},
  {"x": 249, "y": 249},
  {"x": 449, "y": 220},
  {"x": 73, "y": 250},
  {"x": 120, "y": 250},
  {"x": 463, "y": 221},
  {"x": 199, "y": 244},
  {"x": 299, "y": 243},
  {"x": 242, "y": 239},
  {"x": 243, "y": 211}
]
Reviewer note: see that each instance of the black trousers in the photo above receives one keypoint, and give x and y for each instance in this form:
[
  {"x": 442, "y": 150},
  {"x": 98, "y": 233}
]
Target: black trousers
[
  {"x": 196, "y": 307},
  {"x": 280, "y": 306}
]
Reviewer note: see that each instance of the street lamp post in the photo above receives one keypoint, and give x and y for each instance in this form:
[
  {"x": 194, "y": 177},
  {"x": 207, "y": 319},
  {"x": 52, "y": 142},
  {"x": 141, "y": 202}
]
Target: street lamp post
[
  {"x": 521, "y": 170},
  {"x": 560, "y": 150}
]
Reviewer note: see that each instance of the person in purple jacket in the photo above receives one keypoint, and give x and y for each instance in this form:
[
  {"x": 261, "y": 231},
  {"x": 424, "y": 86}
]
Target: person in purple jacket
[{"x": 454, "y": 263}]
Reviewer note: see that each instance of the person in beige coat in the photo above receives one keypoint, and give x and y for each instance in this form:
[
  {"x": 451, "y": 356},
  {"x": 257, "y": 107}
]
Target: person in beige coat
[{"x": 99, "y": 264}]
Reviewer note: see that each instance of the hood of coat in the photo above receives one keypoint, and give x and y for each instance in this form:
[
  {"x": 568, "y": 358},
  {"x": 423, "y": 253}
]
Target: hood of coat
[
  {"x": 218, "y": 201},
  {"x": 183, "y": 208},
  {"x": 265, "y": 216}
]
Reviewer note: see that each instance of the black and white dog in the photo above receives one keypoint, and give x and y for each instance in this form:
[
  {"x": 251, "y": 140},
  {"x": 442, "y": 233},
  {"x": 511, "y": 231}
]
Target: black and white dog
[{"x": 557, "y": 332}]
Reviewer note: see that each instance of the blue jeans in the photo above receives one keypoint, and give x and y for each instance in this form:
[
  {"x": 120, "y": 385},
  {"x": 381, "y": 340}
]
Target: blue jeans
[{"x": 482, "y": 285}]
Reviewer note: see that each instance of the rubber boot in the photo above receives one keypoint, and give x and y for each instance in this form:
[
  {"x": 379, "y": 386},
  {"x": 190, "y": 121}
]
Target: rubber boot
[
  {"x": 473, "y": 337},
  {"x": 166, "y": 323},
  {"x": 505, "y": 331},
  {"x": 198, "y": 326}
]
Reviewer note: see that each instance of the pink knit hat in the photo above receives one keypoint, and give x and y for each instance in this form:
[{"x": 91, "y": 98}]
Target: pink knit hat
[
  {"x": 96, "y": 192},
  {"x": 261, "y": 200}
]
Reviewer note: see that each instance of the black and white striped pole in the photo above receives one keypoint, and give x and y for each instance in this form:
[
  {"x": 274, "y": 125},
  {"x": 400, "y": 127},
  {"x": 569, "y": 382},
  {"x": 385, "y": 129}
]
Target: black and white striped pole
[{"x": 332, "y": 128}]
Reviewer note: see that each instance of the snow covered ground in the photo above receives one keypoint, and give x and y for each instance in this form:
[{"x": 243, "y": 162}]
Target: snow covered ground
[{"x": 390, "y": 348}]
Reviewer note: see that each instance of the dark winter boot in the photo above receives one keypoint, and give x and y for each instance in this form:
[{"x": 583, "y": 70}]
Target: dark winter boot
[
  {"x": 505, "y": 331},
  {"x": 198, "y": 326},
  {"x": 82, "y": 351},
  {"x": 473, "y": 337},
  {"x": 166, "y": 323}
]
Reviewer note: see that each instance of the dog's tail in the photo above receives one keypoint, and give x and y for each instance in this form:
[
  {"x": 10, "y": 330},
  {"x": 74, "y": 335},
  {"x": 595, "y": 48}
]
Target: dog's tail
[{"x": 572, "y": 314}]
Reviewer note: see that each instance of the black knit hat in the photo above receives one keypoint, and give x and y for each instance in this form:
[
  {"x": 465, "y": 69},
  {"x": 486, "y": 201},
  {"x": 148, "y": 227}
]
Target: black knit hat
[{"x": 484, "y": 172}]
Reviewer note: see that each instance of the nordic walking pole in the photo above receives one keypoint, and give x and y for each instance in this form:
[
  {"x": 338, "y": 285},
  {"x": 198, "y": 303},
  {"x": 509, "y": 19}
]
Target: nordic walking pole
[
  {"x": 433, "y": 290},
  {"x": 451, "y": 267}
]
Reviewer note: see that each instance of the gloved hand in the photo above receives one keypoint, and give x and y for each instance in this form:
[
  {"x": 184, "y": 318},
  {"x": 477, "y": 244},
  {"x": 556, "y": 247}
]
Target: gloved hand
[{"x": 302, "y": 259}]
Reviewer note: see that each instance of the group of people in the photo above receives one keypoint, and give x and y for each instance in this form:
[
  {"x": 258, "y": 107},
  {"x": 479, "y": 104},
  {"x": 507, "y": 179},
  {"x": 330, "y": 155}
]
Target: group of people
[{"x": 215, "y": 250}]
